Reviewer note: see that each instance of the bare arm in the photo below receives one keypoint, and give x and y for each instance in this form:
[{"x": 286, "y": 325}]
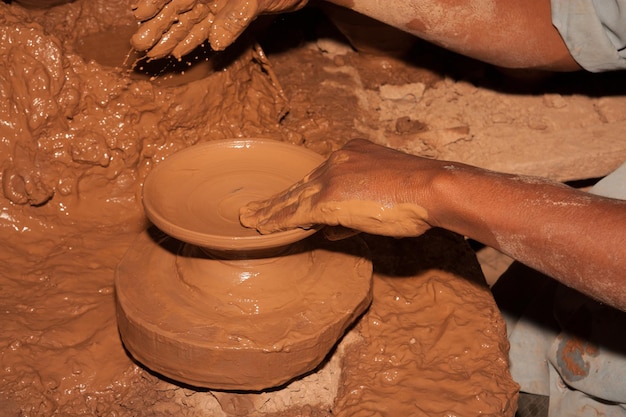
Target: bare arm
[
  {"x": 176, "y": 27},
  {"x": 507, "y": 33},
  {"x": 575, "y": 237}
]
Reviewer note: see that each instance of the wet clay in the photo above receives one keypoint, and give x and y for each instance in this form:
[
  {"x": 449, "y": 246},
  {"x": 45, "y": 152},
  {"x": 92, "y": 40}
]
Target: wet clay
[
  {"x": 224, "y": 315},
  {"x": 177, "y": 27},
  {"x": 80, "y": 134},
  {"x": 195, "y": 195},
  {"x": 237, "y": 324},
  {"x": 369, "y": 216},
  {"x": 438, "y": 329},
  {"x": 59, "y": 156}
]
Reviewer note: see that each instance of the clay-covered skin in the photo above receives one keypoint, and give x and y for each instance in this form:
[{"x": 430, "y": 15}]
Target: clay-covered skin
[
  {"x": 349, "y": 190},
  {"x": 506, "y": 33},
  {"x": 176, "y": 27}
]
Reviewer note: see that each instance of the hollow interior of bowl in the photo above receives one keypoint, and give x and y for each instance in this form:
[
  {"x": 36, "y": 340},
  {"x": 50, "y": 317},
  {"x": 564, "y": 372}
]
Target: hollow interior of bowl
[{"x": 195, "y": 195}]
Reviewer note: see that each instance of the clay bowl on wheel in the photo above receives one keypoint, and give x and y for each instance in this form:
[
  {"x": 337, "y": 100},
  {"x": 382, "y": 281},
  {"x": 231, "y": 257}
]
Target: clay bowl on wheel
[
  {"x": 195, "y": 195},
  {"x": 218, "y": 305}
]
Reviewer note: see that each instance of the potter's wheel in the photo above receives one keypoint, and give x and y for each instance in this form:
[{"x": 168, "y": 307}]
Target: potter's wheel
[{"x": 216, "y": 305}]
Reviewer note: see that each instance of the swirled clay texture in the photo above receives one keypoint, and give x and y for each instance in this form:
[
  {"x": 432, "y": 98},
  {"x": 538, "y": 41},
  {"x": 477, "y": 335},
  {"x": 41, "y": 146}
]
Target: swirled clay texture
[{"x": 78, "y": 137}]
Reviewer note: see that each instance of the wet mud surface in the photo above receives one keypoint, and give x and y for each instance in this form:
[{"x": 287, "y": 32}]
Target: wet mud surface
[{"x": 80, "y": 131}]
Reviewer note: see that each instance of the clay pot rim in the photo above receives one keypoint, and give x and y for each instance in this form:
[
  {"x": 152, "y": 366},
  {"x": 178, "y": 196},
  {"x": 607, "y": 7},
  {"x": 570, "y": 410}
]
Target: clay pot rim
[{"x": 220, "y": 242}]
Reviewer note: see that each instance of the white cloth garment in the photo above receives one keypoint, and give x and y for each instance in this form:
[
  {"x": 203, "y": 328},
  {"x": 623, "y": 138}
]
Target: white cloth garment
[{"x": 594, "y": 32}]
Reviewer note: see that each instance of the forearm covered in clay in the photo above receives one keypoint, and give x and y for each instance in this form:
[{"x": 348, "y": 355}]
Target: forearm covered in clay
[
  {"x": 505, "y": 33},
  {"x": 573, "y": 236}
]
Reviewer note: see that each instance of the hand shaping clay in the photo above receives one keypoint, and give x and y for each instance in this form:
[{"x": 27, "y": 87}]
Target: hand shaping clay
[{"x": 195, "y": 195}]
